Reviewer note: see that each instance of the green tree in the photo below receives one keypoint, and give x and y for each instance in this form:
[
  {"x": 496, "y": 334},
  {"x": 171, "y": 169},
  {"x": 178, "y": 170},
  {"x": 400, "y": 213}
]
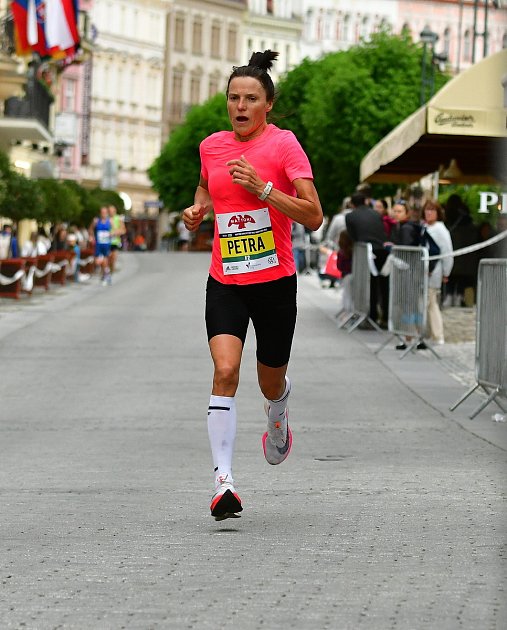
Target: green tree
[
  {"x": 352, "y": 100},
  {"x": 107, "y": 198},
  {"x": 5, "y": 173},
  {"x": 90, "y": 205},
  {"x": 175, "y": 173},
  {"x": 292, "y": 93},
  {"x": 23, "y": 198},
  {"x": 339, "y": 107},
  {"x": 61, "y": 203}
]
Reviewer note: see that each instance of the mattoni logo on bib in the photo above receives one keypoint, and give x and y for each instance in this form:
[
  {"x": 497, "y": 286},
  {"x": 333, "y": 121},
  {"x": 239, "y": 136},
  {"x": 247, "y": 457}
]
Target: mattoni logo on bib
[
  {"x": 246, "y": 241},
  {"x": 240, "y": 221}
]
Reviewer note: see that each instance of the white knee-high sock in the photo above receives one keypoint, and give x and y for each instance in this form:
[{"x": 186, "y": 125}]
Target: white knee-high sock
[
  {"x": 222, "y": 432},
  {"x": 277, "y": 407}
]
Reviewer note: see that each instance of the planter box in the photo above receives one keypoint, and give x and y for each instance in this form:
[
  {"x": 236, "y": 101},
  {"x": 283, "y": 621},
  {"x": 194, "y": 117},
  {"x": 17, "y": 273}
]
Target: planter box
[
  {"x": 42, "y": 261},
  {"x": 60, "y": 277},
  {"x": 9, "y": 267}
]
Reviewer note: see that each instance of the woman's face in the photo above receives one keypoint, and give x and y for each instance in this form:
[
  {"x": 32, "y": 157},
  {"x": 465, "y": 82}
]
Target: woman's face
[
  {"x": 430, "y": 215},
  {"x": 400, "y": 212},
  {"x": 379, "y": 207},
  {"x": 247, "y": 107}
]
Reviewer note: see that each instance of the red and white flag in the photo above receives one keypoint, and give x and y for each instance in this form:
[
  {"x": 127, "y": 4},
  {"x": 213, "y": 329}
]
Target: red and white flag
[{"x": 61, "y": 24}]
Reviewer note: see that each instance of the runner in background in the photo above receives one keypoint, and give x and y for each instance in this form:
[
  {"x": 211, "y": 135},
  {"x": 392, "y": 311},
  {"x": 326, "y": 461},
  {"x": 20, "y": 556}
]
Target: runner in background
[
  {"x": 258, "y": 180},
  {"x": 100, "y": 231},
  {"x": 117, "y": 231}
]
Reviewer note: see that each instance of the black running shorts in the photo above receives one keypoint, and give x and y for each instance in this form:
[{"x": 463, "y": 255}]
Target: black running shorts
[{"x": 270, "y": 305}]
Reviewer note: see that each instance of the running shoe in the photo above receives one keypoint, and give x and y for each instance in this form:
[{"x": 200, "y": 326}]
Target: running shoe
[
  {"x": 277, "y": 441},
  {"x": 225, "y": 502}
]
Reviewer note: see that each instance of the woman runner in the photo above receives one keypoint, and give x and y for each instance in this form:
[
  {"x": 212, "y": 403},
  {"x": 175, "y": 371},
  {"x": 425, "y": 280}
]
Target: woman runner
[{"x": 257, "y": 179}]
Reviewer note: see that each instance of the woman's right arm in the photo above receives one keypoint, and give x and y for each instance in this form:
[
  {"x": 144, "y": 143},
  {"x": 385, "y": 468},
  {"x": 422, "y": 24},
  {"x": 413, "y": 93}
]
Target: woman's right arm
[{"x": 193, "y": 215}]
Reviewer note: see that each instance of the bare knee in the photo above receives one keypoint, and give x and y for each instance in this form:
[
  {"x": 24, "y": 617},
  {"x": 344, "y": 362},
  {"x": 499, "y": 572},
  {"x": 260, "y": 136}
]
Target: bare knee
[
  {"x": 272, "y": 389},
  {"x": 225, "y": 379}
]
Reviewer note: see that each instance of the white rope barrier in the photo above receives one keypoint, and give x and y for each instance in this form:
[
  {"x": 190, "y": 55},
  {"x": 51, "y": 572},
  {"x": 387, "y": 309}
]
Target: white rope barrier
[
  {"x": 5, "y": 280},
  {"x": 471, "y": 248},
  {"x": 82, "y": 262},
  {"x": 26, "y": 277}
]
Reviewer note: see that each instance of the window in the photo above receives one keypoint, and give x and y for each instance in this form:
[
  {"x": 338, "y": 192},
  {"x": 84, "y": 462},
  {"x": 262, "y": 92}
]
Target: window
[
  {"x": 232, "y": 43},
  {"x": 69, "y": 96},
  {"x": 197, "y": 37},
  {"x": 176, "y": 100},
  {"x": 215, "y": 39},
  {"x": 447, "y": 41},
  {"x": 213, "y": 86},
  {"x": 346, "y": 28},
  {"x": 120, "y": 85},
  {"x": 364, "y": 28},
  {"x": 179, "y": 32},
  {"x": 467, "y": 52},
  {"x": 195, "y": 90}
]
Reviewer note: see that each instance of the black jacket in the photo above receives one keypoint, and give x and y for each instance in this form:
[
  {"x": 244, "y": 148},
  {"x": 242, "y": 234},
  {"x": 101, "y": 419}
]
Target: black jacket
[
  {"x": 406, "y": 233},
  {"x": 364, "y": 225}
]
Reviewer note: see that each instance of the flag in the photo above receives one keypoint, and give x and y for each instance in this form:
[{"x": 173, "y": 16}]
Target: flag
[
  {"x": 29, "y": 16},
  {"x": 60, "y": 25}
]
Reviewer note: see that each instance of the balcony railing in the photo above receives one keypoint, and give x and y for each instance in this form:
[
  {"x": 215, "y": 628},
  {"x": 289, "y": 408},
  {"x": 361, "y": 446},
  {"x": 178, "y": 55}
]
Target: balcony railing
[{"x": 35, "y": 104}]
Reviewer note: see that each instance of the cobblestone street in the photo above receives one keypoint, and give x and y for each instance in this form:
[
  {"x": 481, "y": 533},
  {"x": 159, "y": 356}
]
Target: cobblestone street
[{"x": 388, "y": 514}]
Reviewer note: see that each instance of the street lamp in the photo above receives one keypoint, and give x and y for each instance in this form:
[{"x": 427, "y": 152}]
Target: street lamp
[{"x": 429, "y": 38}]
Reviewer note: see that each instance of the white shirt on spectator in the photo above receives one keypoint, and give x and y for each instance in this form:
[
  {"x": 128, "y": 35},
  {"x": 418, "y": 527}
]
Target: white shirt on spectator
[{"x": 29, "y": 249}]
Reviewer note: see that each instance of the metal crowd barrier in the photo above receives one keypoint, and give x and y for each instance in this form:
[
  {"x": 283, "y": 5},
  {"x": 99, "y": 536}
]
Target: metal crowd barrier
[
  {"x": 408, "y": 296},
  {"x": 491, "y": 334},
  {"x": 362, "y": 267}
]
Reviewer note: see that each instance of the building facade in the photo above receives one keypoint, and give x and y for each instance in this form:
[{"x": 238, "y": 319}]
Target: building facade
[
  {"x": 126, "y": 97},
  {"x": 204, "y": 41},
  {"x": 274, "y": 25},
  {"x": 332, "y": 25}
]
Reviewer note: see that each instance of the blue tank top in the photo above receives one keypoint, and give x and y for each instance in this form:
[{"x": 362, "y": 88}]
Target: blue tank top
[{"x": 103, "y": 232}]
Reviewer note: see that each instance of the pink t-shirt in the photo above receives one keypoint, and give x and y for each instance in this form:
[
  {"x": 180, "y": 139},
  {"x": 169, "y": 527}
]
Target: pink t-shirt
[{"x": 242, "y": 233}]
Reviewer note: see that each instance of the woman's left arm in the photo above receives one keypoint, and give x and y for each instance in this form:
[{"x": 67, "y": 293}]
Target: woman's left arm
[{"x": 304, "y": 209}]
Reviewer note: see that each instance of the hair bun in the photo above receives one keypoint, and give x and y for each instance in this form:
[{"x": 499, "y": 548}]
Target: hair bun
[{"x": 263, "y": 60}]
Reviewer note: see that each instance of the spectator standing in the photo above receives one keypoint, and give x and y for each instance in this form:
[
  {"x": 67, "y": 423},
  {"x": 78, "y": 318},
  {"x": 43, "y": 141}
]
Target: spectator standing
[
  {"x": 43, "y": 238},
  {"x": 34, "y": 247},
  {"x": 381, "y": 206},
  {"x": 463, "y": 233},
  {"x": 8, "y": 242},
  {"x": 364, "y": 225},
  {"x": 433, "y": 216},
  {"x": 337, "y": 225},
  {"x": 298, "y": 238},
  {"x": 183, "y": 241},
  {"x": 59, "y": 242},
  {"x": 404, "y": 231}
]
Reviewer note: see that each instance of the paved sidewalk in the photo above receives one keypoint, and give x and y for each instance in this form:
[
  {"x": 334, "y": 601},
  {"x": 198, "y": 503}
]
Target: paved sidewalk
[{"x": 389, "y": 513}]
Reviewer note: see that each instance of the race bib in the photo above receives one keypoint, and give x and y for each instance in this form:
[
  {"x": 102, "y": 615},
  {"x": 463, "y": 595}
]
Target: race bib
[
  {"x": 246, "y": 241},
  {"x": 103, "y": 237}
]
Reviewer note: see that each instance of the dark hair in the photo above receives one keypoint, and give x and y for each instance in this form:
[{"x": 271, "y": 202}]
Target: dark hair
[
  {"x": 345, "y": 242},
  {"x": 364, "y": 188},
  {"x": 433, "y": 204},
  {"x": 384, "y": 203},
  {"x": 357, "y": 199},
  {"x": 258, "y": 67}
]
